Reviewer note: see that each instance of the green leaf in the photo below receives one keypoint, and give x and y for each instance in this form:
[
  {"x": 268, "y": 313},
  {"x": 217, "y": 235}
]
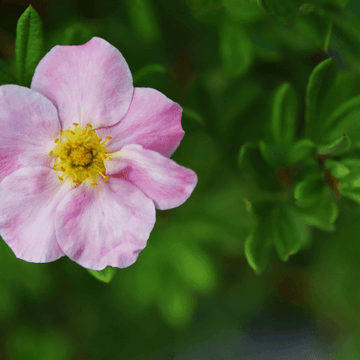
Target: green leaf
[
  {"x": 144, "y": 20},
  {"x": 354, "y": 177},
  {"x": 235, "y": 48},
  {"x": 349, "y": 185},
  {"x": 147, "y": 71},
  {"x": 299, "y": 151},
  {"x": 321, "y": 214},
  {"x": 6, "y": 76},
  {"x": 302, "y": 228},
  {"x": 28, "y": 45},
  {"x": 320, "y": 82},
  {"x": 306, "y": 9},
  {"x": 256, "y": 171},
  {"x": 346, "y": 87},
  {"x": 193, "y": 115},
  {"x": 353, "y": 194},
  {"x": 289, "y": 235},
  {"x": 337, "y": 168},
  {"x": 104, "y": 275},
  {"x": 341, "y": 112},
  {"x": 347, "y": 31},
  {"x": 308, "y": 191},
  {"x": 194, "y": 267},
  {"x": 258, "y": 242},
  {"x": 274, "y": 155},
  {"x": 264, "y": 45},
  {"x": 327, "y": 35},
  {"x": 338, "y": 147},
  {"x": 284, "y": 114},
  {"x": 341, "y": 118},
  {"x": 315, "y": 27},
  {"x": 176, "y": 304},
  {"x": 246, "y": 11},
  {"x": 275, "y": 225}
]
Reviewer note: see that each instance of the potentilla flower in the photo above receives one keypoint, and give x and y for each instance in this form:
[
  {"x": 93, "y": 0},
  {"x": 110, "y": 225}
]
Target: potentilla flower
[{"x": 84, "y": 159}]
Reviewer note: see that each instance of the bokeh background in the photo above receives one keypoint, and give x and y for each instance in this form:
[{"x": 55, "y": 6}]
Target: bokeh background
[{"x": 191, "y": 294}]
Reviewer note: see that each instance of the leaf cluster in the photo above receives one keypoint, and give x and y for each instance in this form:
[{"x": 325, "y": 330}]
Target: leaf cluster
[{"x": 303, "y": 179}]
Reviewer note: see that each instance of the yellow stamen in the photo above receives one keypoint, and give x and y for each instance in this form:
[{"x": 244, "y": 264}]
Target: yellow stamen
[
  {"x": 106, "y": 140},
  {"x": 80, "y": 155}
]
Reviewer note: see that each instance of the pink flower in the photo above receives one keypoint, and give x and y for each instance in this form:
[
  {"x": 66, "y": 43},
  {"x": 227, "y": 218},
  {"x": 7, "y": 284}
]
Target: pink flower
[{"x": 66, "y": 191}]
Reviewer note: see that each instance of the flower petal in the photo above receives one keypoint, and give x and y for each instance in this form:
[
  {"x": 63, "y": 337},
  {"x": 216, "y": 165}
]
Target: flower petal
[
  {"x": 164, "y": 181},
  {"x": 28, "y": 199},
  {"x": 88, "y": 83},
  {"x": 29, "y": 124},
  {"x": 152, "y": 121},
  {"x": 106, "y": 225}
]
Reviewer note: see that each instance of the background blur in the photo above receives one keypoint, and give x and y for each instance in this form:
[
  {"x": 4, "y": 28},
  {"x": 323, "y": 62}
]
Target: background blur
[{"x": 191, "y": 294}]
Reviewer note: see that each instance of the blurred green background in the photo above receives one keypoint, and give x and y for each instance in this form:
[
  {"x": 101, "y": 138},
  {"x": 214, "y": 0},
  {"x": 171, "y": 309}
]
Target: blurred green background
[{"x": 192, "y": 294}]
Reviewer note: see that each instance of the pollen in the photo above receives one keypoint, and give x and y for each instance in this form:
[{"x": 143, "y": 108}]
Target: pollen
[{"x": 80, "y": 154}]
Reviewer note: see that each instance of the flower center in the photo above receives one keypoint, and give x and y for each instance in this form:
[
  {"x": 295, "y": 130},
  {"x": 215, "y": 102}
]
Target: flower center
[{"x": 80, "y": 155}]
